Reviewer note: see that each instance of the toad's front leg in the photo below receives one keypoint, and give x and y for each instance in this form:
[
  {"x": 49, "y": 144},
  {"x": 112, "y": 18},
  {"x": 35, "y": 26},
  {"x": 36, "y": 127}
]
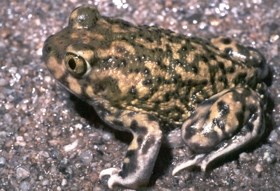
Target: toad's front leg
[{"x": 142, "y": 153}]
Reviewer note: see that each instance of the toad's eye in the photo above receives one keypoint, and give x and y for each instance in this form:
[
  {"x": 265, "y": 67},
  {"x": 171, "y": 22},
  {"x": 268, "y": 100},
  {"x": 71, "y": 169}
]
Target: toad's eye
[{"x": 76, "y": 65}]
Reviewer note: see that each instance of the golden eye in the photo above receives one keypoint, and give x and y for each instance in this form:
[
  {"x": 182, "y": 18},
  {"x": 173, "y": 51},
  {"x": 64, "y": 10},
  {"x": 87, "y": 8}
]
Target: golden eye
[{"x": 75, "y": 64}]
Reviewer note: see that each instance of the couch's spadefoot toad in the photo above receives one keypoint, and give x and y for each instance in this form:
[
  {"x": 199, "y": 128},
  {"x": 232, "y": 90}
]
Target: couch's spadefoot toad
[{"x": 148, "y": 81}]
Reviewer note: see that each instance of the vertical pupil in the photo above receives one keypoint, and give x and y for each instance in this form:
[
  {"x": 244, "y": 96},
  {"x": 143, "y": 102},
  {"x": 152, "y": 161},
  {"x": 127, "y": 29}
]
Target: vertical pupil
[{"x": 72, "y": 64}]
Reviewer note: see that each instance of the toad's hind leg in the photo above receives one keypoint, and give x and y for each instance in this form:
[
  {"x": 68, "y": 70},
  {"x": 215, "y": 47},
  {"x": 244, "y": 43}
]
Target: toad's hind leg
[
  {"x": 221, "y": 125},
  {"x": 247, "y": 55},
  {"x": 142, "y": 153}
]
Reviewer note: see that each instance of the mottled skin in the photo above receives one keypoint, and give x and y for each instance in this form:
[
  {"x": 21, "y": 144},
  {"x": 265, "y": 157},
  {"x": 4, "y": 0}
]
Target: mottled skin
[{"x": 148, "y": 81}]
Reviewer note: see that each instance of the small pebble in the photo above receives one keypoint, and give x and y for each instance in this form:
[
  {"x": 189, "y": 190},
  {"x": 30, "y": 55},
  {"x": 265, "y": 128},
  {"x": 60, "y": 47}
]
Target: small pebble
[
  {"x": 78, "y": 126},
  {"x": 273, "y": 137},
  {"x": 259, "y": 167},
  {"x": 64, "y": 182},
  {"x": 86, "y": 157},
  {"x": 107, "y": 136},
  {"x": 22, "y": 173},
  {"x": 3, "y": 82},
  {"x": 244, "y": 157},
  {"x": 45, "y": 182},
  {"x": 24, "y": 186},
  {"x": 71, "y": 146},
  {"x": 54, "y": 153},
  {"x": 269, "y": 157},
  {"x": 20, "y": 141},
  {"x": 2, "y": 162}
]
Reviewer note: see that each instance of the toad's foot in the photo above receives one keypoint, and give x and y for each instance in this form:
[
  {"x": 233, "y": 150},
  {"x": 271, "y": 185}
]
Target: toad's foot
[
  {"x": 236, "y": 143},
  {"x": 114, "y": 177},
  {"x": 197, "y": 161},
  {"x": 142, "y": 153},
  {"x": 117, "y": 179}
]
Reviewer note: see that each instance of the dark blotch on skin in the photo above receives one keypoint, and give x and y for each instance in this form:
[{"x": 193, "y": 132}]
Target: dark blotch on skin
[
  {"x": 204, "y": 82},
  {"x": 212, "y": 57},
  {"x": 129, "y": 168},
  {"x": 191, "y": 130},
  {"x": 152, "y": 117},
  {"x": 204, "y": 58},
  {"x": 212, "y": 71},
  {"x": 213, "y": 140},
  {"x": 133, "y": 90},
  {"x": 118, "y": 123},
  {"x": 167, "y": 96},
  {"x": 224, "y": 80},
  {"x": 240, "y": 78},
  {"x": 140, "y": 139},
  {"x": 223, "y": 108},
  {"x": 228, "y": 51},
  {"x": 140, "y": 130},
  {"x": 131, "y": 114},
  {"x": 221, "y": 66},
  {"x": 101, "y": 110},
  {"x": 147, "y": 82},
  {"x": 195, "y": 69},
  {"x": 146, "y": 71},
  {"x": 47, "y": 49},
  {"x": 219, "y": 123},
  {"x": 134, "y": 125},
  {"x": 240, "y": 117},
  {"x": 159, "y": 51},
  {"x": 246, "y": 93},
  {"x": 169, "y": 51},
  {"x": 159, "y": 79},
  {"x": 252, "y": 108},
  {"x": 230, "y": 70},
  {"x": 190, "y": 82},
  {"x": 148, "y": 144},
  {"x": 237, "y": 96},
  {"x": 249, "y": 126},
  {"x": 107, "y": 83},
  {"x": 125, "y": 24},
  {"x": 122, "y": 63},
  {"x": 151, "y": 40},
  {"x": 118, "y": 114},
  {"x": 144, "y": 98}
]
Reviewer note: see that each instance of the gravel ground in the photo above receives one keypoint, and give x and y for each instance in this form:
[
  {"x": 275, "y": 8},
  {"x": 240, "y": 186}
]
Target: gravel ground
[{"x": 51, "y": 141}]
